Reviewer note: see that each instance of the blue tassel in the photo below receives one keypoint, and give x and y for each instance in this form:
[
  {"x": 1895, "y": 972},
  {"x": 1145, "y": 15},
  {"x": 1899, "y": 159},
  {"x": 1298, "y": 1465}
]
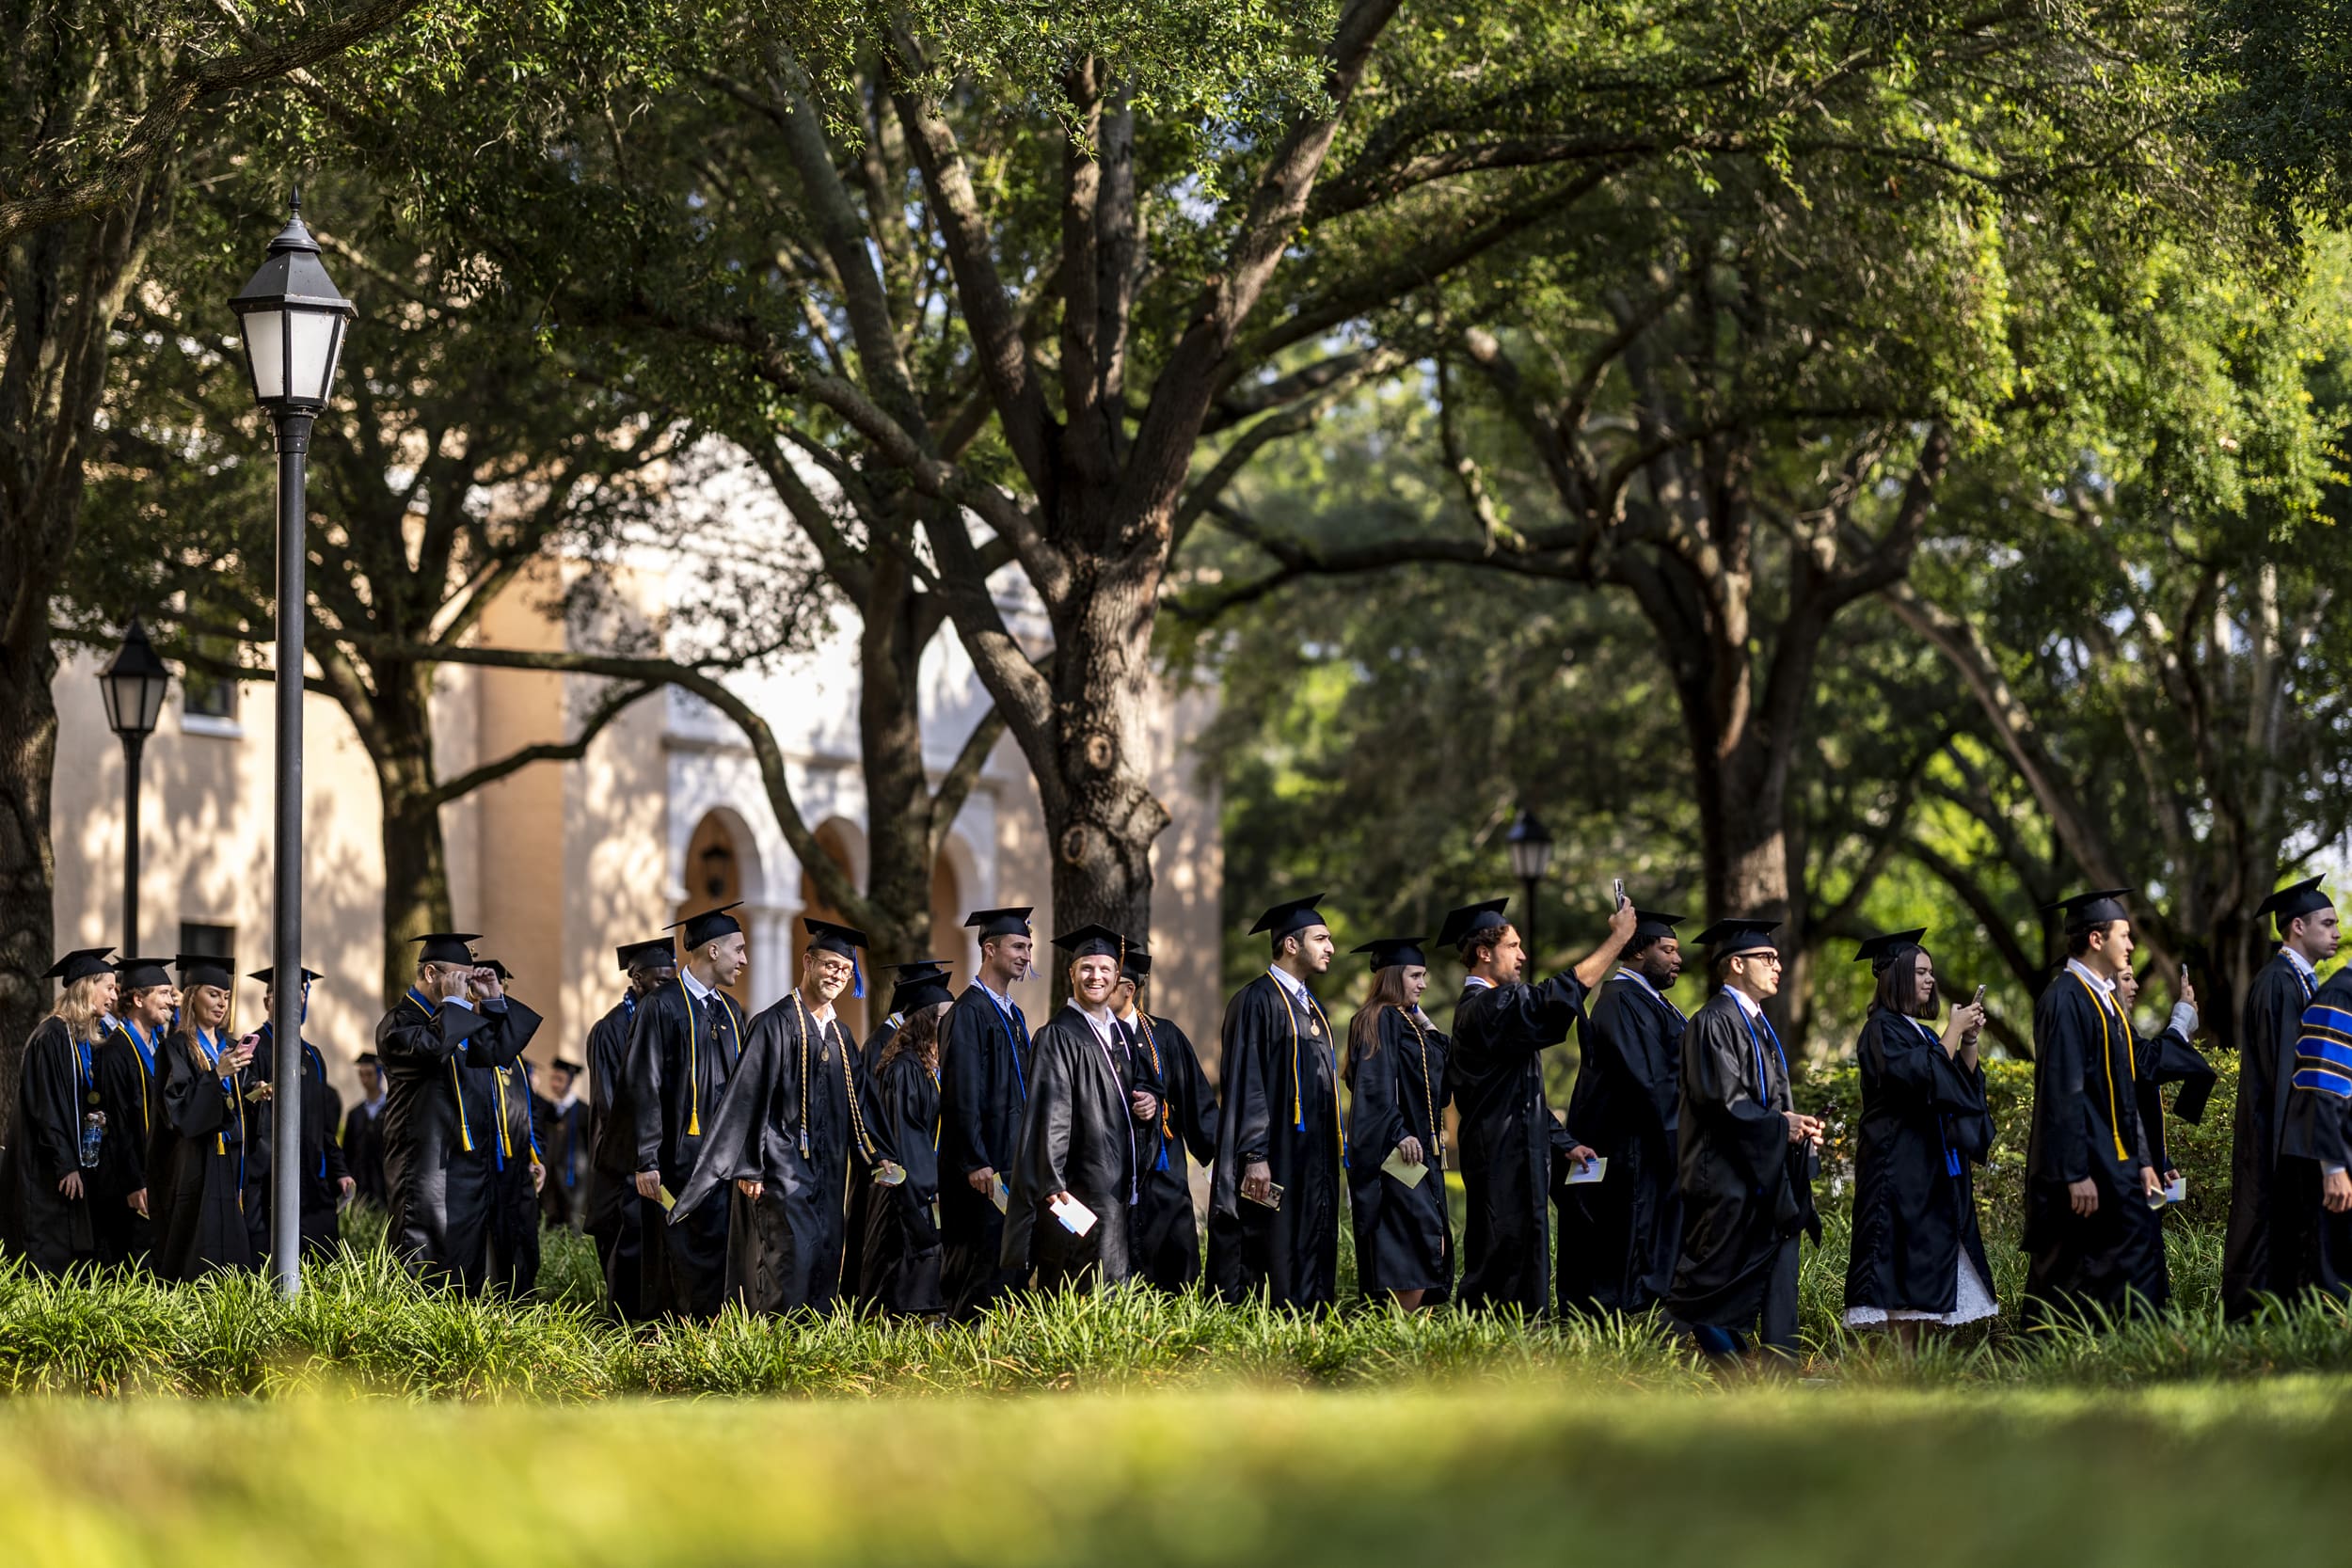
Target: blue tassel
[{"x": 857, "y": 978}]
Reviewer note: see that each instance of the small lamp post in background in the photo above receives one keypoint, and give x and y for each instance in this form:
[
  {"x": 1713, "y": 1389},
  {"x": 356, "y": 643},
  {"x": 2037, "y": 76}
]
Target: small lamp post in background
[
  {"x": 1530, "y": 857},
  {"x": 292, "y": 320},
  {"x": 134, "y": 685}
]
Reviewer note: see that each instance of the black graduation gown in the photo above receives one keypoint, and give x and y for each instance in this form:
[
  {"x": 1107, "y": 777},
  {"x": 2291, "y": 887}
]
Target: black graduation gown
[
  {"x": 1509, "y": 1144},
  {"x": 857, "y": 1218},
  {"x": 2086, "y": 1124},
  {"x": 1279, "y": 1079},
  {"x": 682, "y": 1055},
  {"x": 440, "y": 1127},
  {"x": 1166, "y": 1247},
  {"x": 2312, "y": 1247},
  {"x": 613, "y": 1210},
  {"x": 2167, "y": 1058},
  {"x": 515, "y": 1206},
  {"x": 1619, "y": 1237},
  {"x": 1747, "y": 1192},
  {"x": 363, "y": 1154},
  {"x": 984, "y": 1091},
  {"x": 1078, "y": 1137},
  {"x": 1914, "y": 1205},
  {"x": 2272, "y": 1021},
  {"x": 796, "y": 1115},
  {"x": 38, "y": 1223},
  {"x": 131, "y": 1092},
  {"x": 899, "y": 1254},
  {"x": 204, "y": 1151},
  {"x": 1404, "y": 1241},
  {"x": 563, "y": 1133},
  {"x": 323, "y": 1167}
]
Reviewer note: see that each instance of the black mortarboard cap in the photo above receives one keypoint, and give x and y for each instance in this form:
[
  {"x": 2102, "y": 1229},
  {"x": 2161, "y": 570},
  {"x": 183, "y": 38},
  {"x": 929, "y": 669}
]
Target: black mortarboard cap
[
  {"x": 1727, "y": 937},
  {"x": 1388, "y": 952},
  {"x": 1470, "y": 919},
  {"x": 826, "y": 936},
  {"x": 80, "y": 964},
  {"x": 2085, "y": 909},
  {"x": 309, "y": 977},
  {"x": 1286, "y": 918},
  {"x": 919, "y": 985},
  {"x": 1652, "y": 926},
  {"x": 1136, "y": 966},
  {"x": 1001, "y": 923},
  {"x": 568, "y": 1064},
  {"x": 657, "y": 953},
  {"x": 366, "y": 1058},
  {"x": 1089, "y": 942},
  {"x": 445, "y": 947},
  {"x": 1882, "y": 950},
  {"x": 708, "y": 926},
  {"x": 2294, "y": 901},
  {"x": 140, "y": 973},
  {"x": 497, "y": 968},
  {"x": 205, "y": 969}
]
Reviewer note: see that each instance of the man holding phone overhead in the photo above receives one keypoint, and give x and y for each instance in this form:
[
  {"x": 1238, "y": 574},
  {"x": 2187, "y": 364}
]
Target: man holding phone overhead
[
  {"x": 438, "y": 1126},
  {"x": 1511, "y": 1147}
]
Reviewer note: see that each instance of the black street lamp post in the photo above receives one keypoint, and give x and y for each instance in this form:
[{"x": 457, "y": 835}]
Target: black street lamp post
[
  {"x": 292, "y": 320},
  {"x": 134, "y": 685},
  {"x": 1530, "y": 857}
]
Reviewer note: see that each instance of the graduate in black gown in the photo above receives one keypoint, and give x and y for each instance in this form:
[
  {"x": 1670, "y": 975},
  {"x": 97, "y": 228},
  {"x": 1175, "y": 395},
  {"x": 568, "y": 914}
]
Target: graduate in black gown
[
  {"x": 1166, "y": 1247},
  {"x": 1278, "y": 1127},
  {"x": 2090, "y": 1234},
  {"x": 898, "y": 1256},
  {"x": 363, "y": 1133},
  {"x": 437, "y": 1044},
  {"x": 326, "y": 1185},
  {"x": 1512, "y": 1148},
  {"x": 130, "y": 1093},
  {"x": 920, "y": 977},
  {"x": 197, "y": 1169},
  {"x": 2308, "y": 936},
  {"x": 614, "y": 1206},
  {"x": 518, "y": 1170},
  {"x": 796, "y": 1115},
  {"x": 2165, "y": 1057},
  {"x": 44, "y": 1172},
  {"x": 559, "y": 1118},
  {"x": 684, "y": 1048},
  {"x": 984, "y": 1091},
  {"x": 1619, "y": 1237},
  {"x": 1077, "y": 1153},
  {"x": 1918, "y": 1255},
  {"x": 1396, "y": 1098},
  {"x": 1747, "y": 1157},
  {"x": 2311, "y": 1240}
]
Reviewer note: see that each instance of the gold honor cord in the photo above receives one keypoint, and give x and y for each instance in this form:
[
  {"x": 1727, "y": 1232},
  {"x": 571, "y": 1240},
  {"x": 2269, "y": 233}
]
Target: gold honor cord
[
  {"x": 1428, "y": 1096},
  {"x": 1298, "y": 1110},
  {"x": 2106, "y": 1054},
  {"x": 1153, "y": 1046},
  {"x": 506, "y": 1144},
  {"x": 694, "y": 1052}
]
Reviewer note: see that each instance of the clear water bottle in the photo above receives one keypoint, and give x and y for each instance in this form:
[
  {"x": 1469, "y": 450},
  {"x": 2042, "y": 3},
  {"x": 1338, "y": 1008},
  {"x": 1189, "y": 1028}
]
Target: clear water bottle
[{"x": 93, "y": 1134}]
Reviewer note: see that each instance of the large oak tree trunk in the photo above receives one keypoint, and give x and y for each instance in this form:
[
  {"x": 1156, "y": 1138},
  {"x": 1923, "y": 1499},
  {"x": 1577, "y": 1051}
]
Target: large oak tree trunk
[
  {"x": 28, "y": 750},
  {"x": 897, "y": 791}
]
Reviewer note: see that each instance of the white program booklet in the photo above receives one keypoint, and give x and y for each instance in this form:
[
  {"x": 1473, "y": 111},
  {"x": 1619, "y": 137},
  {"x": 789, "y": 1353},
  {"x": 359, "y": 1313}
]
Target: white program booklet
[
  {"x": 1593, "y": 1169},
  {"x": 1075, "y": 1217}
]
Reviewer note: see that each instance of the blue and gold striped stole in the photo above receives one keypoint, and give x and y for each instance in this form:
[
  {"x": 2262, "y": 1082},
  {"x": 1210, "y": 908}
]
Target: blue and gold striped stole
[{"x": 2322, "y": 1052}]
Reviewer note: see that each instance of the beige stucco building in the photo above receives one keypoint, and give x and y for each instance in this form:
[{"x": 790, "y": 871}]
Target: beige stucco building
[{"x": 559, "y": 864}]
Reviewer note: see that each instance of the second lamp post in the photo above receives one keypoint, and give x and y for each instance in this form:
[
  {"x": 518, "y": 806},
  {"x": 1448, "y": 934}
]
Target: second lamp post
[{"x": 1530, "y": 857}]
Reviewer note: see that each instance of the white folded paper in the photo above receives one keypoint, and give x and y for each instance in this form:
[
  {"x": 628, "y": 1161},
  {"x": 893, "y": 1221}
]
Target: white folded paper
[
  {"x": 1593, "y": 1169},
  {"x": 1075, "y": 1217}
]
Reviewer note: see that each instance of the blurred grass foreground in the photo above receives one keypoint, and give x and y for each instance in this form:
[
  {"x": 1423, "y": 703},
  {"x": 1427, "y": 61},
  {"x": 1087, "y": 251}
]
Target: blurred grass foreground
[{"x": 1527, "y": 1475}]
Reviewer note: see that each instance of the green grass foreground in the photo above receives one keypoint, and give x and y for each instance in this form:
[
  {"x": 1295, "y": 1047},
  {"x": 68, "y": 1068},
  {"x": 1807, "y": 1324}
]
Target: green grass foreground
[
  {"x": 363, "y": 1325},
  {"x": 1786, "y": 1475}
]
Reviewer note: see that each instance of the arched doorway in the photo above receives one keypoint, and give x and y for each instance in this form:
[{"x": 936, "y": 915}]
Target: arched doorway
[
  {"x": 833, "y": 839},
  {"x": 715, "y": 873}
]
